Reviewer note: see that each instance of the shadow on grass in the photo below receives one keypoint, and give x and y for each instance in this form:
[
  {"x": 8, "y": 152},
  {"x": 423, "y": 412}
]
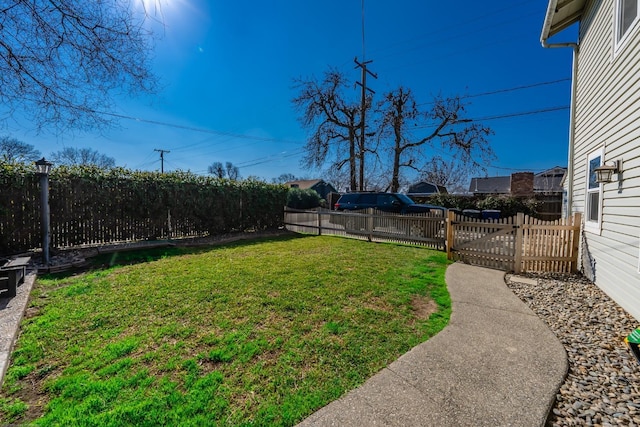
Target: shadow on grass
[{"x": 138, "y": 256}]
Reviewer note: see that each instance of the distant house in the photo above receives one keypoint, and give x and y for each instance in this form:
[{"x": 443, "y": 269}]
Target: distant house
[
  {"x": 320, "y": 187},
  {"x": 490, "y": 185},
  {"x": 425, "y": 189},
  {"x": 604, "y": 132},
  {"x": 548, "y": 182}
]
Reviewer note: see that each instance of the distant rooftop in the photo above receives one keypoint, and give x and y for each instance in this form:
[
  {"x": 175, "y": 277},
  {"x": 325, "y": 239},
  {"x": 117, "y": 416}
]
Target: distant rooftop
[{"x": 549, "y": 181}]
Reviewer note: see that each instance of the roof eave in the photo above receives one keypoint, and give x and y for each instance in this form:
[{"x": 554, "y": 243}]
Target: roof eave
[
  {"x": 548, "y": 19},
  {"x": 554, "y": 22}
]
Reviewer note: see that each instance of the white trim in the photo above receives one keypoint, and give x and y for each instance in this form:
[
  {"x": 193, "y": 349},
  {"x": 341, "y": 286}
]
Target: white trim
[
  {"x": 593, "y": 226},
  {"x": 618, "y": 44}
]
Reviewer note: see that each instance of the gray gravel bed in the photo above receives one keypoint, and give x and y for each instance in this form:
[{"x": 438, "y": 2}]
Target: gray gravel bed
[{"x": 602, "y": 387}]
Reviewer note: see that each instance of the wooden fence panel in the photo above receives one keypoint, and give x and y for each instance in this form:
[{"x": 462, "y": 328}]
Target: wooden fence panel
[
  {"x": 519, "y": 244},
  {"x": 485, "y": 242},
  {"x": 550, "y": 246},
  {"x": 425, "y": 229}
]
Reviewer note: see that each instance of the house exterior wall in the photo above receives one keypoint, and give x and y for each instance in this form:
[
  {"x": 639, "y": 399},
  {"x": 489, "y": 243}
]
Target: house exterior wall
[{"x": 608, "y": 119}]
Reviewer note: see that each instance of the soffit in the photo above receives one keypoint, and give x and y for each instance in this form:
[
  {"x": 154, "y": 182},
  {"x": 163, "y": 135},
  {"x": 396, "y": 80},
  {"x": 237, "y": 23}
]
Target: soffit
[{"x": 560, "y": 15}]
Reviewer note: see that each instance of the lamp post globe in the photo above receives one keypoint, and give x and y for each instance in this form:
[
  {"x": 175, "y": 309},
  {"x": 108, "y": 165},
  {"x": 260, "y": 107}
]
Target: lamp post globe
[{"x": 43, "y": 166}]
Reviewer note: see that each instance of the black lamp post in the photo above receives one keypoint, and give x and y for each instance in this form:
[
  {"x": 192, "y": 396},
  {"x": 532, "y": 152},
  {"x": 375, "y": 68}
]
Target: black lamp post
[{"x": 43, "y": 167}]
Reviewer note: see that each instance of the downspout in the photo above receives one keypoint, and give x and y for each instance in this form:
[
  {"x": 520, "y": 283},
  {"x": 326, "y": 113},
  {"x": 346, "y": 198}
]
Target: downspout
[{"x": 572, "y": 117}]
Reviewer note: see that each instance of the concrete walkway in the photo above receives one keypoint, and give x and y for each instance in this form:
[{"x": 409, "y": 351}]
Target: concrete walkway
[
  {"x": 495, "y": 364},
  {"x": 11, "y": 311}
]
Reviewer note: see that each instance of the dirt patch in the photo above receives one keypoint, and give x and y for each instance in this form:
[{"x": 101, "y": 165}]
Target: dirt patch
[
  {"x": 32, "y": 393},
  {"x": 423, "y": 307},
  {"x": 31, "y": 312}
]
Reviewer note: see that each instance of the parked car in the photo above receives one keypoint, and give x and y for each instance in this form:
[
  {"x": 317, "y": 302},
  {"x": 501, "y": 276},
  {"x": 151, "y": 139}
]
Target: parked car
[{"x": 387, "y": 202}]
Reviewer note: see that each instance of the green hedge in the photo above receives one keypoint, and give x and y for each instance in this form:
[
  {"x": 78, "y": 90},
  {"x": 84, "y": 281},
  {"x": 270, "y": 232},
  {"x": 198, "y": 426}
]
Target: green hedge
[
  {"x": 90, "y": 205},
  {"x": 507, "y": 205},
  {"x": 298, "y": 198}
]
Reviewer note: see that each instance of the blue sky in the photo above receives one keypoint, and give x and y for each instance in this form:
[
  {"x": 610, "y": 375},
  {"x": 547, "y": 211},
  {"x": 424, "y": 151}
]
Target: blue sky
[{"x": 227, "y": 70}]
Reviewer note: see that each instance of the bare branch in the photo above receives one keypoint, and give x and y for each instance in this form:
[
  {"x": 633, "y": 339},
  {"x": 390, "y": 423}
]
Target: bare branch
[
  {"x": 332, "y": 120},
  {"x": 401, "y": 116},
  {"x": 63, "y": 61}
]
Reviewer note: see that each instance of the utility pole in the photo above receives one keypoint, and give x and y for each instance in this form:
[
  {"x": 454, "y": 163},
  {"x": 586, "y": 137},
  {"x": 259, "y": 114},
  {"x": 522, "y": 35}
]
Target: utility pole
[
  {"x": 161, "y": 158},
  {"x": 161, "y": 151},
  {"x": 363, "y": 107}
]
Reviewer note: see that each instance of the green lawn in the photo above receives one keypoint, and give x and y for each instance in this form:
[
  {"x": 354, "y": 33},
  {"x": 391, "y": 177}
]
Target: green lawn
[{"x": 254, "y": 333}]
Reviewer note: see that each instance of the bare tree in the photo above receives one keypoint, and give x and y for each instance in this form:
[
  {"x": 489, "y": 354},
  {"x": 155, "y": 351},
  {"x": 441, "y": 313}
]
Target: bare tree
[
  {"x": 339, "y": 178},
  {"x": 228, "y": 170},
  {"x": 70, "y": 156},
  {"x": 62, "y": 61},
  {"x": 334, "y": 121},
  {"x": 233, "y": 173},
  {"x": 412, "y": 131},
  {"x": 285, "y": 177},
  {"x": 452, "y": 175},
  {"x": 217, "y": 169},
  {"x": 13, "y": 150}
]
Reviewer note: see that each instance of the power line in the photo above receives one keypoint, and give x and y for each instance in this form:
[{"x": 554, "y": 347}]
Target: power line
[
  {"x": 523, "y": 113},
  {"x": 506, "y": 116},
  {"x": 517, "y": 169},
  {"x": 265, "y": 139},
  {"x": 513, "y": 89},
  {"x": 506, "y": 90},
  {"x": 272, "y": 158},
  {"x": 196, "y": 129}
]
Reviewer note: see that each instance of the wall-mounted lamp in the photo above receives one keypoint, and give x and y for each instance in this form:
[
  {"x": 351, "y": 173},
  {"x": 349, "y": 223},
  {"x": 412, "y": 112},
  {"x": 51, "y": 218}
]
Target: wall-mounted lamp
[{"x": 605, "y": 172}]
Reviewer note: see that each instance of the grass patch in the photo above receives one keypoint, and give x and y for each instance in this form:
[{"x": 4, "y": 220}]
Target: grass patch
[{"x": 251, "y": 333}]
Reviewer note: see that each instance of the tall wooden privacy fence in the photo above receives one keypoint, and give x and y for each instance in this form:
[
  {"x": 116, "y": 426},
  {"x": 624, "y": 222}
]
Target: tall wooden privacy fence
[
  {"x": 519, "y": 243},
  {"x": 92, "y": 206}
]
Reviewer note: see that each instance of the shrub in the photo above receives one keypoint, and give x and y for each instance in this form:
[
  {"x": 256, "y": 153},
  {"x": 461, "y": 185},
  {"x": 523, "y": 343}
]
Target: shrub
[
  {"x": 507, "y": 205},
  {"x": 451, "y": 201},
  {"x": 298, "y": 198}
]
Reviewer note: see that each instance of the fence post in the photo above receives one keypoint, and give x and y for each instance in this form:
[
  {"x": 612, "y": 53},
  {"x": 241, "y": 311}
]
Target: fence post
[
  {"x": 517, "y": 267},
  {"x": 370, "y": 223},
  {"x": 448, "y": 227},
  {"x": 319, "y": 223},
  {"x": 575, "y": 244}
]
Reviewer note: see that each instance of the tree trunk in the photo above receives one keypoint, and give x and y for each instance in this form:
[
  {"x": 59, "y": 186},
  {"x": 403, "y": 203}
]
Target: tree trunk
[{"x": 395, "y": 177}]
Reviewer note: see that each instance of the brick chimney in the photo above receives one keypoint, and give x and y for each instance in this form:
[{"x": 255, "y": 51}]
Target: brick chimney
[{"x": 522, "y": 184}]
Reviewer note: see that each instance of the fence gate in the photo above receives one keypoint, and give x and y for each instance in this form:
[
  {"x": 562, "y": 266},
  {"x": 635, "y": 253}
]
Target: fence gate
[
  {"x": 519, "y": 243},
  {"x": 487, "y": 243}
]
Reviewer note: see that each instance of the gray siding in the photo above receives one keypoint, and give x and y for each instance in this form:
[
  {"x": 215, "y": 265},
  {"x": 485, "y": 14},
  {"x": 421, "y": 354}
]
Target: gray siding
[{"x": 608, "y": 115}]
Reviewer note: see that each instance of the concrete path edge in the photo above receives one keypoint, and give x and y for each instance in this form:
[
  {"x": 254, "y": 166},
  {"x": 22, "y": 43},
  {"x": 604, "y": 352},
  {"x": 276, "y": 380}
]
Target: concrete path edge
[
  {"x": 11, "y": 312},
  {"x": 495, "y": 363}
]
